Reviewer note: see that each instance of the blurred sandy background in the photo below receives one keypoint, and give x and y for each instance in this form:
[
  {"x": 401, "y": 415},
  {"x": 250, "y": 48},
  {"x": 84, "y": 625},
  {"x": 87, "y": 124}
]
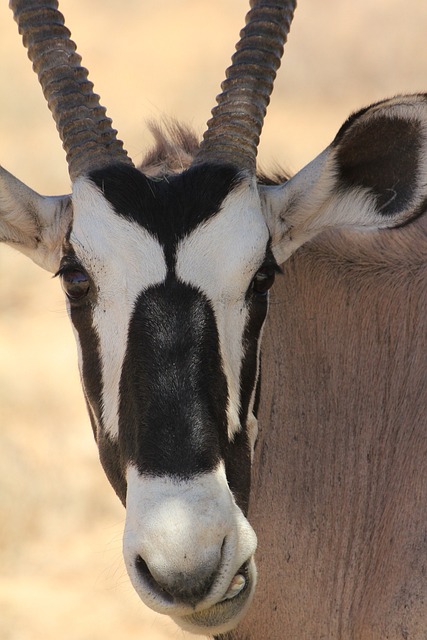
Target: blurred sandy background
[{"x": 61, "y": 572}]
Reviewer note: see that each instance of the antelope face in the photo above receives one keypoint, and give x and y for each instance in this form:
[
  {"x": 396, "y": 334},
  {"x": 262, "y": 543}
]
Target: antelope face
[{"x": 167, "y": 291}]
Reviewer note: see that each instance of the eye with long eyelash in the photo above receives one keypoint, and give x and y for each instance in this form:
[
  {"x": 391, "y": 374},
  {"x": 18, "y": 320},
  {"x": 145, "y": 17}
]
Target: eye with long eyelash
[{"x": 75, "y": 282}]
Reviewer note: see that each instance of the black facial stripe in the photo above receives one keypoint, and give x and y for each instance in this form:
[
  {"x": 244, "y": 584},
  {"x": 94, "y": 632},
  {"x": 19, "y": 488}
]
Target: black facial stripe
[
  {"x": 169, "y": 208},
  {"x": 109, "y": 452},
  {"x": 173, "y": 392},
  {"x": 82, "y": 319},
  {"x": 257, "y": 312},
  {"x": 238, "y": 457}
]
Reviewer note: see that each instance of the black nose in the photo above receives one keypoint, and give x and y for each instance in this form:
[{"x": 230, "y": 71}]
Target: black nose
[{"x": 179, "y": 587}]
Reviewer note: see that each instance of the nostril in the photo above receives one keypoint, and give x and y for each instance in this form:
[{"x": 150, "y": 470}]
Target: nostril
[
  {"x": 145, "y": 574},
  {"x": 184, "y": 587}
]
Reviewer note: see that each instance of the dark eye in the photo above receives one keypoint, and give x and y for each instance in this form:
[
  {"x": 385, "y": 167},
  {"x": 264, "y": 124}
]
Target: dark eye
[
  {"x": 75, "y": 283},
  {"x": 264, "y": 279}
]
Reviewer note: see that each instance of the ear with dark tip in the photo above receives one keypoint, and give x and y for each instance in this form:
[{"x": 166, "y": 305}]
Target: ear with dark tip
[
  {"x": 372, "y": 176},
  {"x": 33, "y": 224}
]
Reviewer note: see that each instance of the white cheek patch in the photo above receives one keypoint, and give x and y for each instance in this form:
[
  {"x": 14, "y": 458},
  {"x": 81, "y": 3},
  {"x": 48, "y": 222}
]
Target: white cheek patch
[
  {"x": 220, "y": 258},
  {"x": 135, "y": 262}
]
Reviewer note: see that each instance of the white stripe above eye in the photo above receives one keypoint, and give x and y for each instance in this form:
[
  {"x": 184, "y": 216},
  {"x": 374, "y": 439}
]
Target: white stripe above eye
[
  {"x": 220, "y": 258},
  {"x": 123, "y": 259}
]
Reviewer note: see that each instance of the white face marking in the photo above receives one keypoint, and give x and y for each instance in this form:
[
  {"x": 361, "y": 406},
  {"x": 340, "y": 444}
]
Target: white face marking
[
  {"x": 221, "y": 257},
  {"x": 123, "y": 260}
]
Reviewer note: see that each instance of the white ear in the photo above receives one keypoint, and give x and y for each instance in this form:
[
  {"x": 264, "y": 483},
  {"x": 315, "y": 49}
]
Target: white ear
[
  {"x": 35, "y": 225},
  {"x": 372, "y": 176}
]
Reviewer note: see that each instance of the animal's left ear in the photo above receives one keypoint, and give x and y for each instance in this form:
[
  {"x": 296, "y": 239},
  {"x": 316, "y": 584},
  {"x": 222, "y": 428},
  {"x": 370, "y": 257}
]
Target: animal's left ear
[{"x": 372, "y": 176}]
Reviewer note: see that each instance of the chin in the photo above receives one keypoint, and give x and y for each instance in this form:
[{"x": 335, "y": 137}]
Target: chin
[{"x": 224, "y": 615}]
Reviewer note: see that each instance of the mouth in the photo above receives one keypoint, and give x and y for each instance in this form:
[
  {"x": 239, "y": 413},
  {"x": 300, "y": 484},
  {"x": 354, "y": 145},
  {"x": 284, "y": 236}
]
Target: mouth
[{"x": 225, "y": 614}]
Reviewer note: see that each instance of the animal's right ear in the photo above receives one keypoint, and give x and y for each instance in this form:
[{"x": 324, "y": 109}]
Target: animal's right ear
[
  {"x": 35, "y": 225},
  {"x": 372, "y": 176}
]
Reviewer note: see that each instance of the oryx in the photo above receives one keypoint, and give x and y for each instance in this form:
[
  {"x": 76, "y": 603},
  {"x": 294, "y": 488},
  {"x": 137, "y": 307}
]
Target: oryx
[{"x": 166, "y": 275}]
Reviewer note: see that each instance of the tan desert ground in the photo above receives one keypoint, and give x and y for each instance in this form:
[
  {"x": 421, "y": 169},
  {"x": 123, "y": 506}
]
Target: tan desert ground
[{"x": 61, "y": 571}]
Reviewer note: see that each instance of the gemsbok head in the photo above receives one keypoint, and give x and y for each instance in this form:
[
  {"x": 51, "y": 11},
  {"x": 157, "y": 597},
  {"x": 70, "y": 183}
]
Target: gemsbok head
[{"x": 167, "y": 274}]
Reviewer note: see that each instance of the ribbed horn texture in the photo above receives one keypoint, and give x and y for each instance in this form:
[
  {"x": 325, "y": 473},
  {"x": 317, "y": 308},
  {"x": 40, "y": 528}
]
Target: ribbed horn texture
[
  {"x": 235, "y": 127},
  {"x": 88, "y": 138}
]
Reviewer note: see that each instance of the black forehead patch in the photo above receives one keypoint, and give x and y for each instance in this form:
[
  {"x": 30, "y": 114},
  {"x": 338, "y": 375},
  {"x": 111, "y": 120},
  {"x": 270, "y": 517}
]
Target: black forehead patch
[{"x": 169, "y": 207}]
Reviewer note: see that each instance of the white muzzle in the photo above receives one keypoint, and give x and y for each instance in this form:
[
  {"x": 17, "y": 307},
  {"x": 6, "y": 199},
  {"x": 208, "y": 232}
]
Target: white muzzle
[{"x": 189, "y": 549}]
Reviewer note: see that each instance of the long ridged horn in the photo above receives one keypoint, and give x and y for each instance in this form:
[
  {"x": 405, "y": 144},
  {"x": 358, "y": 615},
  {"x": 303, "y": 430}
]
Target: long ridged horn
[
  {"x": 235, "y": 127},
  {"x": 87, "y": 136}
]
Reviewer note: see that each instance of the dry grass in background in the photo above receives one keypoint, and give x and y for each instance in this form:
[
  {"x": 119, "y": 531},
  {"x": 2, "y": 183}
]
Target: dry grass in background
[{"x": 61, "y": 573}]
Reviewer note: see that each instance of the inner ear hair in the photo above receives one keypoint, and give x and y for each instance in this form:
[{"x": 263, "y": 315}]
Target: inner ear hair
[
  {"x": 383, "y": 149},
  {"x": 33, "y": 224},
  {"x": 372, "y": 176}
]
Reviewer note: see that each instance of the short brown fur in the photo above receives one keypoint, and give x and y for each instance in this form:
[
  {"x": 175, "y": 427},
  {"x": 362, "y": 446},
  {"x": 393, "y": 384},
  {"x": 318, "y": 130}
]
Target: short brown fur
[{"x": 339, "y": 493}]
